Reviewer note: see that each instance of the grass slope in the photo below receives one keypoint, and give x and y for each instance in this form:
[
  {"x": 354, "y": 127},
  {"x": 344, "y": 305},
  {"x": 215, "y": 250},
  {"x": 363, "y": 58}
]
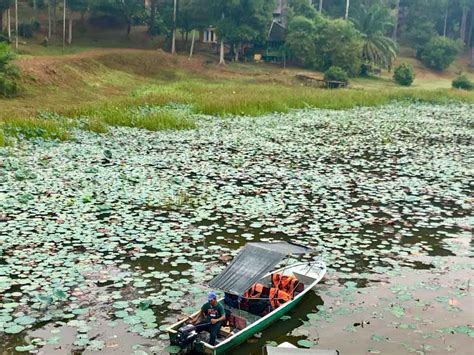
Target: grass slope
[{"x": 105, "y": 87}]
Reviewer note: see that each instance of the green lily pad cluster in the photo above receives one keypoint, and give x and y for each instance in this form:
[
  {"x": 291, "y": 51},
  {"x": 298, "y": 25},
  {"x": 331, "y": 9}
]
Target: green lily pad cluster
[{"x": 151, "y": 217}]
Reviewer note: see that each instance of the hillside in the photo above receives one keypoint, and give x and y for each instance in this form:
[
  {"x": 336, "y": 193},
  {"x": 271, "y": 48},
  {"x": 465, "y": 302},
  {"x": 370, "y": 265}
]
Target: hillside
[{"x": 57, "y": 81}]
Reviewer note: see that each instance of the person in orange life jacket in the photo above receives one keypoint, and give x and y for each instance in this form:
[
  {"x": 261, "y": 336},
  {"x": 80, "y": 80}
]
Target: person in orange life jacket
[{"x": 210, "y": 318}]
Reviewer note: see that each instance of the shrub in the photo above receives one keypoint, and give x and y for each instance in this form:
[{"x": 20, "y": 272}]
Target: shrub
[
  {"x": 336, "y": 74},
  {"x": 439, "y": 53},
  {"x": 462, "y": 82},
  {"x": 404, "y": 74},
  {"x": 9, "y": 86},
  {"x": 8, "y": 73}
]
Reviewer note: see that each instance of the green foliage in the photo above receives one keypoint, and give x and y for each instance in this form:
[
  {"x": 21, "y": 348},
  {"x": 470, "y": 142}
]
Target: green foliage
[
  {"x": 336, "y": 74},
  {"x": 9, "y": 85},
  {"x": 29, "y": 128},
  {"x": 323, "y": 43},
  {"x": 373, "y": 23},
  {"x": 404, "y": 74},
  {"x": 463, "y": 82},
  {"x": 302, "y": 8},
  {"x": 440, "y": 52},
  {"x": 243, "y": 21},
  {"x": 131, "y": 116},
  {"x": 3, "y": 138},
  {"x": 423, "y": 21},
  {"x": 338, "y": 43},
  {"x": 301, "y": 40}
]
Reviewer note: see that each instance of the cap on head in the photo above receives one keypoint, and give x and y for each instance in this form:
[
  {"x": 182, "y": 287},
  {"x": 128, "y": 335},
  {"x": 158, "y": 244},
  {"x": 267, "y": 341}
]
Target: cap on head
[{"x": 211, "y": 296}]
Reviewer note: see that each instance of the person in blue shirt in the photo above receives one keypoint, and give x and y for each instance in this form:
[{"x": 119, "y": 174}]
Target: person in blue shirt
[{"x": 210, "y": 318}]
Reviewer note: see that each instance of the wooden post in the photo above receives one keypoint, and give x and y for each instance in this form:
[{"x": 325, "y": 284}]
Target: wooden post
[{"x": 192, "y": 45}]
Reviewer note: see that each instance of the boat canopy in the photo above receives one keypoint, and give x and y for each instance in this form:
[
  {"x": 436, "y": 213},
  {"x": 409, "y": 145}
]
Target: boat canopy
[{"x": 253, "y": 262}]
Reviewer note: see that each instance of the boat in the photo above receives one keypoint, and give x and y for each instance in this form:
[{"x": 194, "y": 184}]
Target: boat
[
  {"x": 254, "y": 263},
  {"x": 290, "y": 349}
]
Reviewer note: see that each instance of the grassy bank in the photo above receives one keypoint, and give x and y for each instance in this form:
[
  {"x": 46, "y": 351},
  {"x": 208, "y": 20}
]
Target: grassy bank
[
  {"x": 144, "y": 107},
  {"x": 133, "y": 88}
]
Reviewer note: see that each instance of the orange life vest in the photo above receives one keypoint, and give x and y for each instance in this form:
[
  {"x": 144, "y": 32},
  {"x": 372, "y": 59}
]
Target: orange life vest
[
  {"x": 255, "y": 291},
  {"x": 278, "y": 297},
  {"x": 285, "y": 283}
]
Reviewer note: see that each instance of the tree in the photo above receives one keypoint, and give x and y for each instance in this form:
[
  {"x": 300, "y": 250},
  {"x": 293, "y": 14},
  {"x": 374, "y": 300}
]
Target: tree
[
  {"x": 348, "y": 4},
  {"x": 8, "y": 72},
  {"x": 64, "y": 22},
  {"x": 301, "y": 39},
  {"x": 173, "y": 41},
  {"x": 5, "y": 24},
  {"x": 397, "y": 19},
  {"x": 127, "y": 9},
  {"x": 373, "y": 23},
  {"x": 440, "y": 52},
  {"x": 338, "y": 43},
  {"x": 81, "y": 6},
  {"x": 242, "y": 21},
  {"x": 423, "y": 20},
  {"x": 321, "y": 43}
]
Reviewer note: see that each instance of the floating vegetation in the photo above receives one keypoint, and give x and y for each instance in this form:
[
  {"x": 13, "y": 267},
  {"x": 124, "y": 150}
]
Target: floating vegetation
[{"x": 121, "y": 230}]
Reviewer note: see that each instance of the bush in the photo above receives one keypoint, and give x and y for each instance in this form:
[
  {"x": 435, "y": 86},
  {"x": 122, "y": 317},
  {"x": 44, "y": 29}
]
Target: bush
[
  {"x": 462, "y": 82},
  {"x": 9, "y": 86},
  {"x": 404, "y": 74},
  {"x": 336, "y": 74},
  {"x": 8, "y": 73},
  {"x": 439, "y": 53}
]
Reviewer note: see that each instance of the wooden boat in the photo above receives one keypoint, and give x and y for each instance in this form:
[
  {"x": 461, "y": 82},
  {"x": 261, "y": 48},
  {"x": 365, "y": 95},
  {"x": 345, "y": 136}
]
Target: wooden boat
[{"x": 309, "y": 274}]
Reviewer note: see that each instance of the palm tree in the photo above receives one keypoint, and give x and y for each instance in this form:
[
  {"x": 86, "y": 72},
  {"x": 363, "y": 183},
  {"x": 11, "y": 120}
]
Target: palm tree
[{"x": 374, "y": 23}]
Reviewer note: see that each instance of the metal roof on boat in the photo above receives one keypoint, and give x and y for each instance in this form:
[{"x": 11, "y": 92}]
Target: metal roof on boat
[{"x": 252, "y": 263}]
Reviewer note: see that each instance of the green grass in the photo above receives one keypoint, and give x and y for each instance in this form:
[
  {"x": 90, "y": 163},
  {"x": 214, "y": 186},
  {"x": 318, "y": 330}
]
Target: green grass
[
  {"x": 3, "y": 139},
  {"x": 29, "y": 128},
  {"x": 129, "y": 115},
  {"x": 239, "y": 98}
]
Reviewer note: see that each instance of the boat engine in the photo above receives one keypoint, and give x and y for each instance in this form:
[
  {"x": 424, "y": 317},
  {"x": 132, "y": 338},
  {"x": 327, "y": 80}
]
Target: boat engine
[{"x": 186, "y": 336}]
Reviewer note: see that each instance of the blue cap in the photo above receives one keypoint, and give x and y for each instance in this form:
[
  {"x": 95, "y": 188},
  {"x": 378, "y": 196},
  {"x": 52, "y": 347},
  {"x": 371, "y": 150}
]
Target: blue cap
[{"x": 211, "y": 296}]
